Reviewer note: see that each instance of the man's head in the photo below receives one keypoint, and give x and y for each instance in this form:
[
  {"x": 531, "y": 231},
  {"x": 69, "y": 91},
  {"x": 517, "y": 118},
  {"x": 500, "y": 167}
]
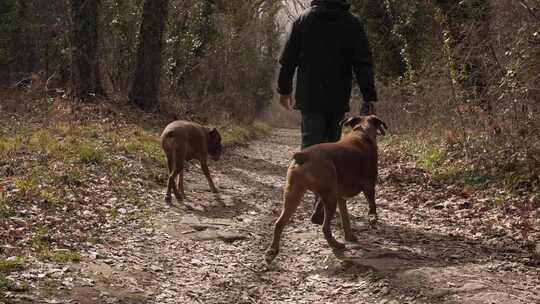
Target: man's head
[{"x": 332, "y": 4}]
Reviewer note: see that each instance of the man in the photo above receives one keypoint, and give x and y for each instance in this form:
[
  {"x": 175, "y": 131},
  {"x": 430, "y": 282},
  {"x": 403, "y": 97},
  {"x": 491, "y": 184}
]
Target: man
[{"x": 327, "y": 44}]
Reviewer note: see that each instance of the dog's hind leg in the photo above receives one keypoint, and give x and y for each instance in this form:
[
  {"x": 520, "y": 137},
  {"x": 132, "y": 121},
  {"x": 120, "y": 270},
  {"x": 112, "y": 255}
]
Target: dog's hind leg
[
  {"x": 180, "y": 179},
  {"x": 169, "y": 188},
  {"x": 178, "y": 172},
  {"x": 291, "y": 199},
  {"x": 330, "y": 203},
  {"x": 171, "y": 163},
  {"x": 369, "y": 193},
  {"x": 171, "y": 185},
  {"x": 345, "y": 221}
]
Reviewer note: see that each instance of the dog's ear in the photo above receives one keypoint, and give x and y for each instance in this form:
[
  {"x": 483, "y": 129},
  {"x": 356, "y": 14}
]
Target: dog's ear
[
  {"x": 214, "y": 133},
  {"x": 379, "y": 124},
  {"x": 351, "y": 121}
]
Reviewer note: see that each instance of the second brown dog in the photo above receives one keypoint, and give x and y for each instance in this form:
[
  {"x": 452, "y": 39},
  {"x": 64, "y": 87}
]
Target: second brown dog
[
  {"x": 335, "y": 172},
  {"x": 183, "y": 141}
]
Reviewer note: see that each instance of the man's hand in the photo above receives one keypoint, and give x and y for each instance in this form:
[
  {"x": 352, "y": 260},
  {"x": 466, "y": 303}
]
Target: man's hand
[
  {"x": 285, "y": 102},
  {"x": 367, "y": 108}
]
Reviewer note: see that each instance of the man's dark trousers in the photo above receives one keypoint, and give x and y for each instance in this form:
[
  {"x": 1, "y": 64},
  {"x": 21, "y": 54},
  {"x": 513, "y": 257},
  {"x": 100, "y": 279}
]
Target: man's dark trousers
[{"x": 320, "y": 128}]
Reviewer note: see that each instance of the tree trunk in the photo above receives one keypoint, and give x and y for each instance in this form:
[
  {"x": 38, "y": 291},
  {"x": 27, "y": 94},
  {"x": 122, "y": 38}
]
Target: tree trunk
[
  {"x": 379, "y": 23},
  {"x": 22, "y": 48},
  {"x": 204, "y": 27},
  {"x": 85, "y": 75},
  {"x": 6, "y": 10},
  {"x": 416, "y": 28},
  {"x": 467, "y": 38},
  {"x": 144, "y": 90},
  {"x": 470, "y": 58}
]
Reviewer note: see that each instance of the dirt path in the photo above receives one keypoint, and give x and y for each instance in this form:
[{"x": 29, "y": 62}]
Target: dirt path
[{"x": 431, "y": 246}]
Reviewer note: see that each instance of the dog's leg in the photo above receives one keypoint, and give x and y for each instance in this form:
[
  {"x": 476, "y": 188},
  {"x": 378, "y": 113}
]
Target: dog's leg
[
  {"x": 318, "y": 214},
  {"x": 172, "y": 167},
  {"x": 180, "y": 183},
  {"x": 369, "y": 193},
  {"x": 180, "y": 155},
  {"x": 173, "y": 159},
  {"x": 171, "y": 185},
  {"x": 204, "y": 167},
  {"x": 345, "y": 221},
  {"x": 330, "y": 202},
  {"x": 292, "y": 198}
]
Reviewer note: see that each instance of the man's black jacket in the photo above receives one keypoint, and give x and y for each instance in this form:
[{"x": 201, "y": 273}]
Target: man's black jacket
[{"x": 327, "y": 44}]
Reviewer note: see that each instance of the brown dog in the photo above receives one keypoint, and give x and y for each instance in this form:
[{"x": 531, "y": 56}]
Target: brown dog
[
  {"x": 335, "y": 172},
  {"x": 183, "y": 141}
]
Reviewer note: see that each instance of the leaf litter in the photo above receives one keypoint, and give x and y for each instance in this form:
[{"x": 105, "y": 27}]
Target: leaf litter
[{"x": 121, "y": 243}]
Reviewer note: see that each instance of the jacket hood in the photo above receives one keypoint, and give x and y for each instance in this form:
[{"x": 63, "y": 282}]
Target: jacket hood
[
  {"x": 332, "y": 4},
  {"x": 330, "y": 9}
]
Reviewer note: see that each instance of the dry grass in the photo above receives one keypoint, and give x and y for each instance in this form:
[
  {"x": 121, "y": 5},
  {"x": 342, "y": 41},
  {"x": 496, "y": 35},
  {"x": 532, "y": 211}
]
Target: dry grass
[
  {"x": 475, "y": 162},
  {"x": 66, "y": 159}
]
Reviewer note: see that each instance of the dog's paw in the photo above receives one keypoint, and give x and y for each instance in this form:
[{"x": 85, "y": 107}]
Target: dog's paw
[
  {"x": 168, "y": 200},
  {"x": 215, "y": 190},
  {"x": 372, "y": 220},
  {"x": 351, "y": 238},
  {"x": 270, "y": 255},
  {"x": 317, "y": 219},
  {"x": 337, "y": 245},
  {"x": 179, "y": 196}
]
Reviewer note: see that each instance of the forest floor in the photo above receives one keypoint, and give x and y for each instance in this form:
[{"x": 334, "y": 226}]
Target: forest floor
[{"x": 110, "y": 238}]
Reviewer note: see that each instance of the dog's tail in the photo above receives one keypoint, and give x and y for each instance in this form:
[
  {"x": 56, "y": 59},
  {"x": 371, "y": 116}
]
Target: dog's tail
[{"x": 301, "y": 157}]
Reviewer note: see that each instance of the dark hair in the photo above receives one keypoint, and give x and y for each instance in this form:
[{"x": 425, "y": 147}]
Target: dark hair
[{"x": 332, "y": 3}]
